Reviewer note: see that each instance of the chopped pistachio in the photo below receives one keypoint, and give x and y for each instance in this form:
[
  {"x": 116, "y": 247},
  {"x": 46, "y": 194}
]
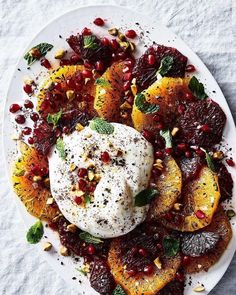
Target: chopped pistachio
[
  {"x": 113, "y": 31},
  {"x": 158, "y": 263},
  {"x": 218, "y": 155},
  {"x": 71, "y": 228},
  {"x": 125, "y": 106},
  {"x": 121, "y": 36},
  {"x": 50, "y": 201},
  {"x": 72, "y": 166},
  {"x": 124, "y": 45},
  {"x": 60, "y": 54},
  {"x": 132, "y": 46},
  {"x": 70, "y": 94},
  {"x": 91, "y": 175},
  {"x": 199, "y": 288},
  {"x": 230, "y": 213},
  {"x": 64, "y": 251},
  {"x": 47, "y": 246},
  {"x": 37, "y": 178},
  {"x": 86, "y": 268},
  {"x": 174, "y": 131},
  {"x": 79, "y": 127}
]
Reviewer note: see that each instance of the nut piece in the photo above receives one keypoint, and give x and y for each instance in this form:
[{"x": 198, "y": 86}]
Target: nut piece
[
  {"x": 121, "y": 36},
  {"x": 47, "y": 246},
  {"x": 174, "y": 131},
  {"x": 37, "y": 178},
  {"x": 218, "y": 155},
  {"x": 91, "y": 175},
  {"x": 124, "y": 114},
  {"x": 113, "y": 31},
  {"x": 79, "y": 127},
  {"x": 59, "y": 54},
  {"x": 71, "y": 228},
  {"x": 72, "y": 166},
  {"x": 158, "y": 263},
  {"x": 132, "y": 46},
  {"x": 199, "y": 288},
  {"x": 125, "y": 106},
  {"x": 50, "y": 201},
  {"x": 124, "y": 45},
  {"x": 134, "y": 89},
  {"x": 64, "y": 251},
  {"x": 70, "y": 94},
  {"x": 177, "y": 206},
  {"x": 158, "y": 164}
]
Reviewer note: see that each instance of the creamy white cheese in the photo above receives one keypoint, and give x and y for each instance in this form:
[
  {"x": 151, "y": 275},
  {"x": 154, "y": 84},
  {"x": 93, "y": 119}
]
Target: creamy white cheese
[{"x": 112, "y": 212}]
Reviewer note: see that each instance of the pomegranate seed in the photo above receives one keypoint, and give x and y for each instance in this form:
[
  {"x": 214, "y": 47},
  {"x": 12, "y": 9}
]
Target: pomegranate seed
[
  {"x": 34, "y": 117},
  {"x": 157, "y": 118},
  {"x": 98, "y": 22},
  {"x": 91, "y": 188},
  {"x": 105, "y": 41},
  {"x": 159, "y": 246},
  {"x": 130, "y": 34},
  {"x": 185, "y": 260},
  {"x": 142, "y": 252},
  {"x": 169, "y": 216},
  {"x": 88, "y": 65},
  {"x": 114, "y": 44},
  {"x": 44, "y": 171},
  {"x": 181, "y": 109},
  {"x": 148, "y": 135},
  {"x": 129, "y": 62},
  {"x": 151, "y": 59},
  {"x": 127, "y": 76},
  {"x": 189, "y": 96},
  {"x": 27, "y": 131},
  {"x": 190, "y": 68},
  {"x": 75, "y": 58},
  {"x": 179, "y": 276},
  {"x": 82, "y": 184},
  {"x": 20, "y": 119},
  {"x": 30, "y": 140},
  {"x": 200, "y": 214},
  {"x": 168, "y": 151},
  {"x": 148, "y": 270},
  {"x": 230, "y": 162},
  {"x": 45, "y": 105},
  {"x": 78, "y": 200},
  {"x": 188, "y": 154},
  {"x": 28, "y": 89},
  {"x": 160, "y": 126},
  {"x": 86, "y": 32},
  {"x": 91, "y": 249},
  {"x": 126, "y": 86},
  {"x": 131, "y": 272},
  {"x": 156, "y": 172},
  {"x": 70, "y": 83},
  {"x": 87, "y": 74},
  {"x": 28, "y": 104},
  {"x": 87, "y": 259},
  {"x": 57, "y": 86},
  {"x": 159, "y": 154},
  {"x": 134, "y": 250},
  {"x": 99, "y": 66},
  {"x": 57, "y": 132},
  {"x": 14, "y": 108},
  {"x": 66, "y": 130},
  {"x": 200, "y": 152},
  {"x": 45, "y": 63},
  {"x": 121, "y": 55},
  {"x": 64, "y": 62},
  {"x": 82, "y": 172},
  {"x": 205, "y": 128},
  {"x": 182, "y": 146},
  {"x": 105, "y": 157}
]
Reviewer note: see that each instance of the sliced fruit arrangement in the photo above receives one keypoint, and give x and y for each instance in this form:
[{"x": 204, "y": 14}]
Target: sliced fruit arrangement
[
  {"x": 167, "y": 94},
  {"x": 109, "y": 100},
  {"x": 200, "y": 199},
  {"x": 169, "y": 185},
  {"x": 31, "y": 183},
  {"x": 212, "y": 242},
  {"x": 138, "y": 264},
  {"x": 68, "y": 88},
  {"x": 148, "y": 64}
]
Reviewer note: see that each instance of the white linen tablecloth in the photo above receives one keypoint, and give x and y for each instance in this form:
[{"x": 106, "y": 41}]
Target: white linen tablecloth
[{"x": 208, "y": 27}]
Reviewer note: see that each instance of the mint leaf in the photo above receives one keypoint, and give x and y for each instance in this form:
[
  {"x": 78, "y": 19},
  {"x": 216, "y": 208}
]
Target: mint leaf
[
  {"x": 119, "y": 291},
  {"x": 35, "y": 233},
  {"x": 88, "y": 238},
  {"x": 144, "y": 106},
  {"x": 166, "y": 65},
  {"x": 165, "y": 133},
  {"x": 101, "y": 126},
  {"x": 145, "y": 197},
  {"x": 102, "y": 82},
  {"x": 54, "y": 118},
  {"x": 171, "y": 246},
  {"x": 197, "y": 88},
  {"x": 42, "y": 49},
  {"x": 60, "y": 146},
  {"x": 210, "y": 162},
  {"x": 90, "y": 42}
]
